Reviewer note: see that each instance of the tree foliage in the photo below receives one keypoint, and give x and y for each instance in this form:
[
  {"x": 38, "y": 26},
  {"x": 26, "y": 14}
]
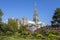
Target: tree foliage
[
  {"x": 56, "y": 18},
  {"x": 1, "y": 14},
  {"x": 13, "y": 24}
]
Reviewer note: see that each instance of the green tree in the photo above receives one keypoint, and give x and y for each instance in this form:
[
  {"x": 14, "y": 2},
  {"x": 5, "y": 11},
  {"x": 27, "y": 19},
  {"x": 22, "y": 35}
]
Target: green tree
[
  {"x": 1, "y": 14},
  {"x": 4, "y": 27},
  {"x": 13, "y": 25},
  {"x": 22, "y": 28},
  {"x": 56, "y": 18}
]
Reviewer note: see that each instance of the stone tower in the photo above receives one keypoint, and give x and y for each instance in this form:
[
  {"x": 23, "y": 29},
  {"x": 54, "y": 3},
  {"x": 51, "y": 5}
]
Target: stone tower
[{"x": 35, "y": 15}]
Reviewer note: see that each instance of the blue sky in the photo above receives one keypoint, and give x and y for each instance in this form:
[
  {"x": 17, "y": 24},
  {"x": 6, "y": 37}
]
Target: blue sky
[{"x": 25, "y": 8}]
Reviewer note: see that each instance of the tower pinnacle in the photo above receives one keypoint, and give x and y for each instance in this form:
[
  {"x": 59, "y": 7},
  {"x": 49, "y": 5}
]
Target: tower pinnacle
[{"x": 35, "y": 15}]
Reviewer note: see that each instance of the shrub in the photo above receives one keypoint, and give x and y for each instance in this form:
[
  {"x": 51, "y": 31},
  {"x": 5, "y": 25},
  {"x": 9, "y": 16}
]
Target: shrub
[
  {"x": 11, "y": 38},
  {"x": 52, "y": 35},
  {"x": 3, "y": 37},
  {"x": 17, "y": 34},
  {"x": 40, "y": 36},
  {"x": 30, "y": 36},
  {"x": 9, "y": 33},
  {"x": 47, "y": 32}
]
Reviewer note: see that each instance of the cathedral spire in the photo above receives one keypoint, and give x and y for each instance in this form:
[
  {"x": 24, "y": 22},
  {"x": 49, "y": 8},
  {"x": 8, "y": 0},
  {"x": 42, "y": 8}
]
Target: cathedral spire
[
  {"x": 35, "y": 16},
  {"x": 35, "y": 8}
]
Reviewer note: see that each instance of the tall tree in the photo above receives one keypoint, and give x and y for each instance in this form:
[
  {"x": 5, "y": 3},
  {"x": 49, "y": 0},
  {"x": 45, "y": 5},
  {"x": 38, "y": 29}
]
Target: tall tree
[
  {"x": 1, "y": 14},
  {"x": 56, "y": 18},
  {"x": 13, "y": 24}
]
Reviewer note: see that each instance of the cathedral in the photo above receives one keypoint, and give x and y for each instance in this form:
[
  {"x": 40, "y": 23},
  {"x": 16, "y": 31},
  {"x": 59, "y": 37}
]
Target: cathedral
[{"x": 34, "y": 24}]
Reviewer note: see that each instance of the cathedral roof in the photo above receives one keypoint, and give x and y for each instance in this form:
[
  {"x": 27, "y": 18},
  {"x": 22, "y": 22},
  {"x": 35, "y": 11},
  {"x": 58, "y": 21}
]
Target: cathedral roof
[
  {"x": 39, "y": 22},
  {"x": 32, "y": 22}
]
